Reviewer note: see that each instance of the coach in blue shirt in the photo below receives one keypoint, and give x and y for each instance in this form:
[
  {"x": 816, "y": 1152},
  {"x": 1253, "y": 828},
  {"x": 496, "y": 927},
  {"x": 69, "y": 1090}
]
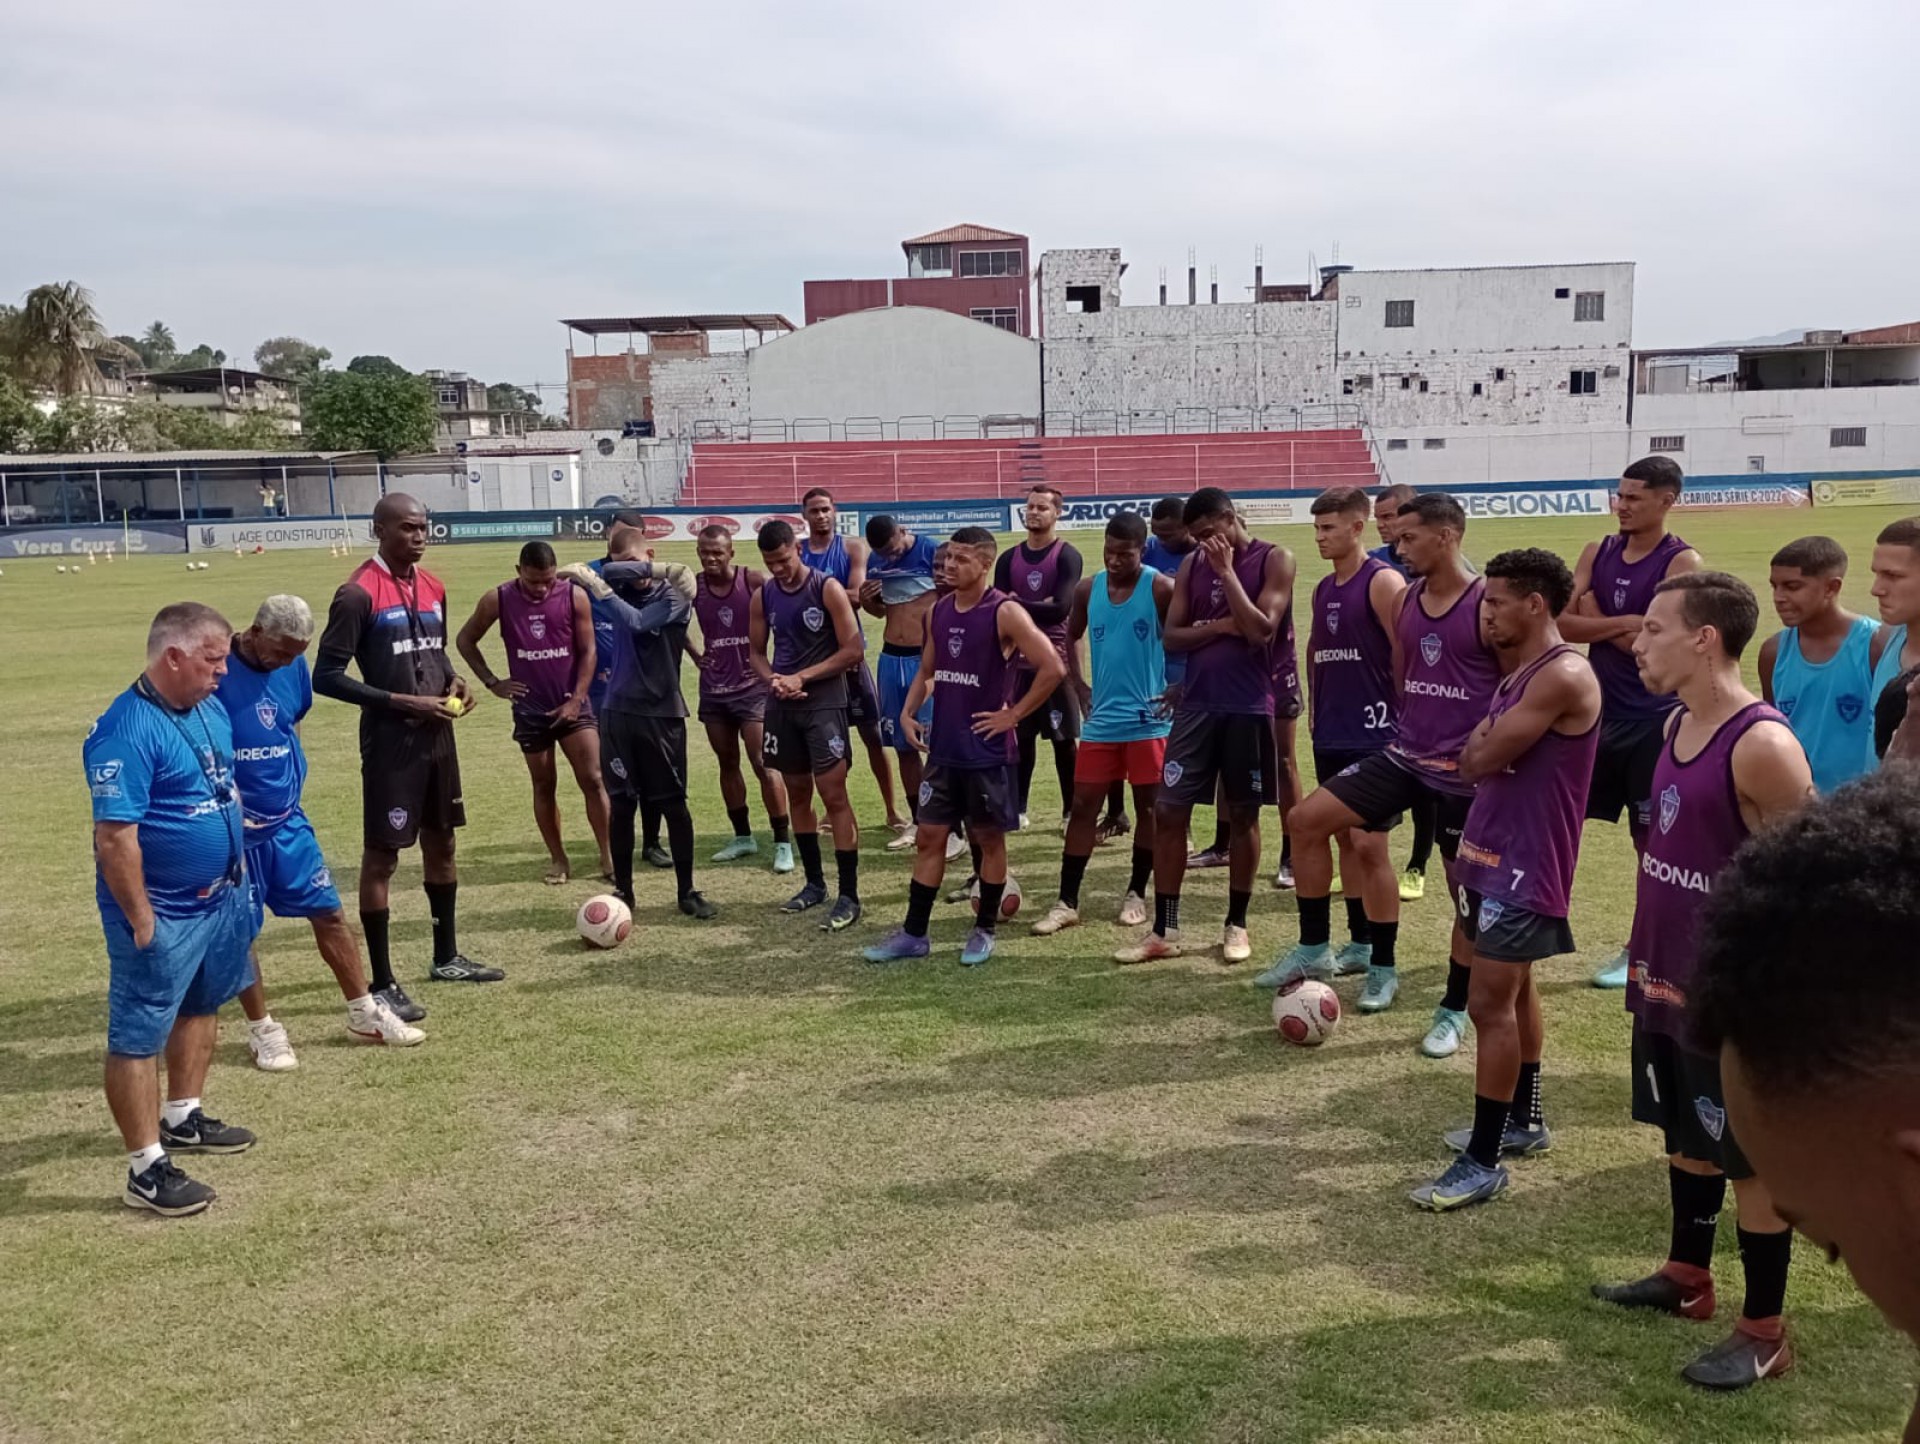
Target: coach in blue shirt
[{"x": 174, "y": 904}]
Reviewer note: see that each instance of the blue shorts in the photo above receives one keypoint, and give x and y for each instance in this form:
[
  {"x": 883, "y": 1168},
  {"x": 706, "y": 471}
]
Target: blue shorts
[
  {"x": 288, "y": 873},
  {"x": 192, "y": 966},
  {"x": 896, "y": 673}
]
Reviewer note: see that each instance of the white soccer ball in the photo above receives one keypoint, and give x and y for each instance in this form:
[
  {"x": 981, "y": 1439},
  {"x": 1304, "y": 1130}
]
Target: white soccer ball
[
  {"x": 1009, "y": 900},
  {"x": 1306, "y": 1013},
  {"x": 604, "y": 921}
]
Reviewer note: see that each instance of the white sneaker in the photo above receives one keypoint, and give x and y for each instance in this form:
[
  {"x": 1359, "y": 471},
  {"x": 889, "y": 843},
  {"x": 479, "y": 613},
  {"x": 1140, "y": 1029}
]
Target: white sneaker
[
  {"x": 956, "y": 847},
  {"x": 1026, "y": 821},
  {"x": 1059, "y": 916},
  {"x": 381, "y": 1025},
  {"x": 1234, "y": 946},
  {"x": 904, "y": 839},
  {"x": 1133, "y": 912},
  {"x": 272, "y": 1053}
]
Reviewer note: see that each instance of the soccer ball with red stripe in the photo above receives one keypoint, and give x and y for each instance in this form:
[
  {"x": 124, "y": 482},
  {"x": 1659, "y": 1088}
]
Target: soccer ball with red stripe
[
  {"x": 1009, "y": 900},
  {"x": 604, "y": 921},
  {"x": 1306, "y": 1013}
]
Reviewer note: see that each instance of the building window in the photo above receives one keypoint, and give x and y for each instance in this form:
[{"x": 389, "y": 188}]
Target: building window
[
  {"x": 449, "y": 397},
  {"x": 1084, "y": 299},
  {"x": 1667, "y": 443},
  {"x": 1756, "y": 463},
  {"x": 990, "y": 263},
  {"x": 1583, "y": 383},
  {"x": 1406, "y": 383},
  {"x": 1365, "y": 383},
  {"x": 1005, "y": 317},
  {"x": 1346, "y": 386},
  {"x": 1434, "y": 443},
  {"x": 1478, "y": 389},
  {"x": 1847, "y": 436},
  {"x": 1499, "y": 373},
  {"x": 930, "y": 261},
  {"x": 1560, "y": 293},
  {"x": 1398, "y": 443},
  {"x": 1399, "y": 313},
  {"x": 1590, "y": 306},
  {"x": 1423, "y": 386}
]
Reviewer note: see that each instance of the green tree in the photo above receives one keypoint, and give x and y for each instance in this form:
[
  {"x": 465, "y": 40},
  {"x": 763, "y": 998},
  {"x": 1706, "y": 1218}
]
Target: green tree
[
  {"x": 377, "y": 366},
  {"x": 361, "y": 411},
  {"x": 19, "y": 419},
  {"x": 201, "y": 358},
  {"x": 78, "y": 424},
  {"x": 58, "y": 341},
  {"x": 503, "y": 396},
  {"x": 290, "y": 357},
  {"x": 156, "y": 346}
]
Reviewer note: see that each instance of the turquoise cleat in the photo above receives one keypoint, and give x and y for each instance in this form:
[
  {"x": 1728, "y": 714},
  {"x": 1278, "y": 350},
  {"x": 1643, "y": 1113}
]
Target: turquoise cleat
[
  {"x": 1383, "y": 986},
  {"x": 1466, "y": 1182},
  {"x": 899, "y": 946},
  {"x": 738, "y": 848},
  {"x": 1614, "y": 974},
  {"x": 1448, "y": 1032},
  {"x": 1352, "y": 959},
  {"x": 979, "y": 947},
  {"x": 1304, "y": 961}
]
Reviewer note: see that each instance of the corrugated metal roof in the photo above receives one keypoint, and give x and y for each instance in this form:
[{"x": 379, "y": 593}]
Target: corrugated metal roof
[
  {"x": 966, "y": 231},
  {"x": 107, "y": 460},
  {"x": 614, "y": 325}
]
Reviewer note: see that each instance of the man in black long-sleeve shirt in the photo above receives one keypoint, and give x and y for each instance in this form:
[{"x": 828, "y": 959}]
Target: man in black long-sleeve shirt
[
  {"x": 1041, "y": 574},
  {"x": 390, "y": 619}
]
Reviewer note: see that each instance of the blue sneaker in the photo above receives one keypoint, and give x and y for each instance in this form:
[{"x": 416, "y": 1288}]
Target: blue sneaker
[
  {"x": 978, "y": 949},
  {"x": 898, "y": 946},
  {"x": 1352, "y": 959},
  {"x": 1614, "y": 974},
  {"x": 1448, "y": 1032},
  {"x": 1383, "y": 986},
  {"x": 1465, "y": 1183},
  {"x": 1516, "y": 1142},
  {"x": 1304, "y": 961}
]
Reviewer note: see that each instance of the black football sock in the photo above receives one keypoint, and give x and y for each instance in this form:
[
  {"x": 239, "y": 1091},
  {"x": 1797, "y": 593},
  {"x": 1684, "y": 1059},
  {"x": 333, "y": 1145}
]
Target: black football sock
[
  {"x": 1423, "y": 821},
  {"x": 1386, "y": 937},
  {"x": 809, "y": 845},
  {"x": 846, "y": 861},
  {"x": 1358, "y": 928},
  {"x": 1166, "y": 913},
  {"x": 1063, "y": 764},
  {"x": 920, "y": 896},
  {"x": 1222, "y": 832},
  {"x": 1237, "y": 907},
  {"x": 1697, "y": 1199},
  {"x": 649, "y": 824},
  {"x": 973, "y": 851},
  {"x": 1286, "y": 849},
  {"x": 440, "y": 900},
  {"x": 1489, "y": 1122},
  {"x": 742, "y": 821},
  {"x": 780, "y": 826},
  {"x": 1763, "y": 1259},
  {"x": 1029, "y": 756},
  {"x": 379, "y": 961},
  {"x": 680, "y": 842},
  {"x": 1526, "y": 1098},
  {"x": 1072, "y": 870},
  {"x": 988, "y": 915},
  {"x": 1117, "y": 799},
  {"x": 1457, "y": 979},
  {"x": 1142, "y": 871},
  {"x": 620, "y": 843},
  {"x": 1316, "y": 921}
]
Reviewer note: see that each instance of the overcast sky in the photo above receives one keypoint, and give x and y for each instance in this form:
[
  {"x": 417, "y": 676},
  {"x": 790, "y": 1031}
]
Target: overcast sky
[{"x": 441, "y": 183}]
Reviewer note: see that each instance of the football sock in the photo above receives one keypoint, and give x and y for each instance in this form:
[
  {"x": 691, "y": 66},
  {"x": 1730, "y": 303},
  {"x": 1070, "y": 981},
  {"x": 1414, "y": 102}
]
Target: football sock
[
  {"x": 650, "y": 823},
  {"x": 440, "y": 899},
  {"x": 1386, "y": 937},
  {"x": 680, "y": 843},
  {"x": 742, "y": 821},
  {"x": 1489, "y": 1122},
  {"x": 379, "y": 963},
  {"x": 1029, "y": 755},
  {"x": 1166, "y": 913},
  {"x": 988, "y": 917},
  {"x": 1358, "y": 928},
  {"x": 1222, "y": 831},
  {"x": 1117, "y": 799},
  {"x": 1763, "y": 1259},
  {"x": 620, "y": 842},
  {"x": 1237, "y": 907},
  {"x": 780, "y": 826},
  {"x": 1696, "y": 1215},
  {"x": 809, "y": 845},
  {"x": 1457, "y": 979},
  {"x": 174, "y": 1111},
  {"x": 846, "y": 861},
  {"x": 1063, "y": 764},
  {"x": 1423, "y": 820},
  {"x": 1286, "y": 849},
  {"x": 1316, "y": 921},
  {"x": 141, "y": 1159},
  {"x": 1526, "y": 1097},
  {"x": 920, "y": 896},
  {"x": 1142, "y": 870},
  {"x": 1072, "y": 870}
]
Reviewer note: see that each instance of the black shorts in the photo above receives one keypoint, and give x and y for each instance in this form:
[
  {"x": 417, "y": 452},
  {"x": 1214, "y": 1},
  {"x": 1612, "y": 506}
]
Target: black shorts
[
  {"x": 1509, "y": 934},
  {"x": 1210, "y": 753},
  {"x": 1623, "y": 772},
  {"x": 644, "y": 757},
  {"x": 1330, "y": 762},
  {"x": 801, "y": 742},
  {"x": 1678, "y": 1091},
  {"x": 1378, "y": 788},
  {"x": 736, "y": 709},
  {"x": 1287, "y": 700},
  {"x": 863, "y": 703},
  {"x": 1057, "y": 720},
  {"x": 540, "y": 733},
  {"x": 977, "y": 796},
  {"x": 409, "y": 779}
]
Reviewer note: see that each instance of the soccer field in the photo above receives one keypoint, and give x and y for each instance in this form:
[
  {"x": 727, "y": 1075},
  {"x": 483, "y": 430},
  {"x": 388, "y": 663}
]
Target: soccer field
[{"x": 729, "y": 1183}]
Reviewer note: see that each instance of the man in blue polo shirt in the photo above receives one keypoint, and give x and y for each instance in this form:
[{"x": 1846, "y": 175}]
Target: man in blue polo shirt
[{"x": 169, "y": 845}]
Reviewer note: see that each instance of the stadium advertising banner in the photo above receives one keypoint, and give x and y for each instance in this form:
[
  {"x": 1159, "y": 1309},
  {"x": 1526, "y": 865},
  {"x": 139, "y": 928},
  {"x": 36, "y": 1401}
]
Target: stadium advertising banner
[
  {"x": 277, "y": 536},
  {"x": 1079, "y": 515},
  {"x": 1866, "y": 490},
  {"x": 1564, "y": 501},
  {"x": 1744, "y": 493},
  {"x": 73, "y": 541}
]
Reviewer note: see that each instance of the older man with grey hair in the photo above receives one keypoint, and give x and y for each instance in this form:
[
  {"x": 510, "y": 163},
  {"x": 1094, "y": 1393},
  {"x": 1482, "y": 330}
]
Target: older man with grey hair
[
  {"x": 171, "y": 885},
  {"x": 266, "y": 691}
]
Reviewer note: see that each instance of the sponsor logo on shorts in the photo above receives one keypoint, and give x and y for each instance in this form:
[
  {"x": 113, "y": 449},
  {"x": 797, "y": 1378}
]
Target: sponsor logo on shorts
[
  {"x": 926, "y": 793},
  {"x": 1054, "y": 719},
  {"x": 1172, "y": 773},
  {"x": 814, "y": 618},
  {"x": 617, "y": 768},
  {"x": 268, "y": 711},
  {"x": 1669, "y": 808},
  {"x": 397, "y": 818},
  {"x": 1349, "y": 769},
  {"x": 1712, "y": 1117},
  {"x": 538, "y": 626},
  {"x": 837, "y": 745},
  {"x": 1491, "y": 911},
  {"x": 1430, "y": 648}
]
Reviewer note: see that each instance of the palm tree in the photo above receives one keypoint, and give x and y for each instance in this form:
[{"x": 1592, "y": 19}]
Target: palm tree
[
  {"x": 157, "y": 347},
  {"x": 61, "y": 340}
]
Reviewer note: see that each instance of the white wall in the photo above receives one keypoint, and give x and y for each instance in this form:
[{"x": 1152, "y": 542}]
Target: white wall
[
  {"x": 1788, "y": 430},
  {"x": 1492, "y": 308},
  {"x": 1501, "y": 453},
  {"x": 641, "y": 470}
]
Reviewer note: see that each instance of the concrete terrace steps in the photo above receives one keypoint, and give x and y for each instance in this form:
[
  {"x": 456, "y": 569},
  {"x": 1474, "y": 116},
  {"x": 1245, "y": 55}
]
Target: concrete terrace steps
[{"x": 754, "y": 474}]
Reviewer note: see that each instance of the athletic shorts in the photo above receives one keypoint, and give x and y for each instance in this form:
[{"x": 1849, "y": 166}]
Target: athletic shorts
[
  {"x": 1380, "y": 789},
  {"x": 986, "y": 797},
  {"x": 1227, "y": 751},
  {"x": 1138, "y": 763},
  {"x": 897, "y": 669},
  {"x": 800, "y": 742},
  {"x": 538, "y": 732},
  {"x": 644, "y": 758},
  {"x": 1623, "y": 772},
  {"x": 1678, "y": 1091},
  {"x": 735, "y": 709},
  {"x": 193, "y": 965},
  {"x": 1330, "y": 762},
  {"x": 1288, "y": 703},
  {"x": 287, "y": 872},
  {"x": 409, "y": 779},
  {"x": 1508, "y": 934},
  {"x": 863, "y": 702},
  {"x": 1057, "y": 719}
]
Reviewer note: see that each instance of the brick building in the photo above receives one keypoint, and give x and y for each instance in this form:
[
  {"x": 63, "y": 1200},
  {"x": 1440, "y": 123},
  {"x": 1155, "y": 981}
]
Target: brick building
[
  {"x": 967, "y": 270},
  {"x": 615, "y": 390}
]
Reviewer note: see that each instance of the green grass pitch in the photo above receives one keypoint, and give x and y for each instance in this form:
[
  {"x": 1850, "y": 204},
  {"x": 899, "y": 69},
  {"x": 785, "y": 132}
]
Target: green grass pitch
[{"x": 727, "y": 1183}]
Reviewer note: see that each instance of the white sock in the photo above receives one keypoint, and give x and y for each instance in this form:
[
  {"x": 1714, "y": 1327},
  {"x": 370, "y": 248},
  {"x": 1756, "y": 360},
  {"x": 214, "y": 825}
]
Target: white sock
[
  {"x": 141, "y": 1159},
  {"x": 175, "y": 1110},
  {"x": 260, "y": 1025},
  {"x": 361, "y": 1008}
]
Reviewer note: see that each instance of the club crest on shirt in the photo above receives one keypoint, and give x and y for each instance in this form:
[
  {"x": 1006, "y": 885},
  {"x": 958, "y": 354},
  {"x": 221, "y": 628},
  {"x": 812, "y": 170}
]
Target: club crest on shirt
[
  {"x": 1712, "y": 1117},
  {"x": 1172, "y": 773},
  {"x": 726, "y": 616},
  {"x": 1333, "y": 619},
  {"x": 268, "y": 711},
  {"x": 955, "y": 641},
  {"x": 1669, "y": 808},
  {"x": 814, "y": 618},
  {"x": 1430, "y": 648},
  {"x": 1098, "y": 632},
  {"x": 1849, "y": 707},
  {"x": 397, "y": 818},
  {"x": 1620, "y": 597},
  {"x": 538, "y": 626},
  {"x": 1218, "y": 595},
  {"x": 1141, "y": 629},
  {"x": 1035, "y": 581}
]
